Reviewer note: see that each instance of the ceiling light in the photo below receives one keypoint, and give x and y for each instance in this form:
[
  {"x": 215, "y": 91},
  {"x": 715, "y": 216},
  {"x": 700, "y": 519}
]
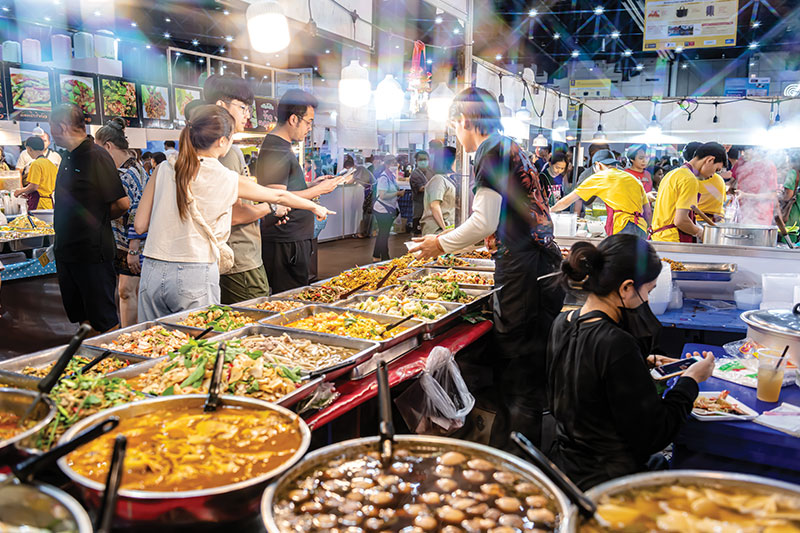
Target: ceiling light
[
  {"x": 201, "y": 60},
  {"x": 456, "y": 31},
  {"x": 540, "y": 141},
  {"x": 439, "y": 103},
  {"x": 167, "y": 35},
  {"x": 195, "y": 42},
  {"x": 133, "y": 24},
  {"x": 147, "y": 46},
  {"x": 615, "y": 35},
  {"x": 354, "y": 86},
  {"x": 654, "y": 128},
  {"x": 599, "y": 135},
  {"x": 498, "y": 57},
  {"x": 267, "y": 26},
  {"x": 221, "y": 50},
  {"x": 246, "y": 58},
  {"x": 523, "y": 113},
  {"x": 575, "y": 53},
  {"x": 47, "y": 19},
  {"x": 229, "y": 38},
  {"x": 752, "y": 64},
  {"x": 268, "y": 64},
  {"x": 97, "y": 13},
  {"x": 532, "y": 13},
  {"x": 716, "y": 118},
  {"x": 177, "y": 54},
  {"x": 316, "y": 68},
  {"x": 753, "y": 45},
  {"x": 556, "y": 36},
  {"x": 756, "y": 23},
  {"x": 167, "y": 19},
  {"x": 679, "y": 49},
  {"x": 322, "y": 79},
  {"x": 389, "y": 98},
  {"x": 438, "y": 20},
  {"x": 560, "y": 124},
  {"x": 627, "y": 53},
  {"x": 639, "y": 67},
  {"x": 6, "y": 9},
  {"x": 684, "y": 66},
  {"x": 430, "y": 61},
  {"x": 599, "y": 10},
  {"x": 397, "y": 47},
  {"x": 226, "y": 12},
  {"x": 327, "y": 51}
]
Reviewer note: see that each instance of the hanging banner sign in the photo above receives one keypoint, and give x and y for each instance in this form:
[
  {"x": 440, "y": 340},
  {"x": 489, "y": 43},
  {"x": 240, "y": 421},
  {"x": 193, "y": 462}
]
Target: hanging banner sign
[
  {"x": 266, "y": 114},
  {"x": 595, "y": 88},
  {"x": 670, "y": 24},
  {"x": 747, "y": 86}
]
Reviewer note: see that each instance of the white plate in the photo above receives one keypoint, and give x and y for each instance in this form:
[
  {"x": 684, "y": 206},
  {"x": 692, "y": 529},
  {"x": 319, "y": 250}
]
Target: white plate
[{"x": 750, "y": 414}]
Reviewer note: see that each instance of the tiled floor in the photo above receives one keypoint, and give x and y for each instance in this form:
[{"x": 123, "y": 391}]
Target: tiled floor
[{"x": 33, "y": 319}]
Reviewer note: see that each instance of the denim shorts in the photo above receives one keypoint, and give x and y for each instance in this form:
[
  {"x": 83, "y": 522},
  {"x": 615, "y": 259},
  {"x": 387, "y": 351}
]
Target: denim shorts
[{"x": 167, "y": 287}]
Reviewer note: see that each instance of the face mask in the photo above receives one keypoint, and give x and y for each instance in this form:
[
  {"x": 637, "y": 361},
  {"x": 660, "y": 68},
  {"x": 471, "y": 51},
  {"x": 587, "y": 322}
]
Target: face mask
[
  {"x": 422, "y": 164},
  {"x": 641, "y": 323}
]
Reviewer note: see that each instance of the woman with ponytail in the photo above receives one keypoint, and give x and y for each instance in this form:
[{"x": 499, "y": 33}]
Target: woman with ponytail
[
  {"x": 610, "y": 419},
  {"x": 186, "y": 210}
]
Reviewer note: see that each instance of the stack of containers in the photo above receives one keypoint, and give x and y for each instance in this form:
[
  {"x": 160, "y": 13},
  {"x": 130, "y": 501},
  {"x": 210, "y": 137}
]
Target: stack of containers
[
  {"x": 779, "y": 290},
  {"x": 660, "y": 296}
]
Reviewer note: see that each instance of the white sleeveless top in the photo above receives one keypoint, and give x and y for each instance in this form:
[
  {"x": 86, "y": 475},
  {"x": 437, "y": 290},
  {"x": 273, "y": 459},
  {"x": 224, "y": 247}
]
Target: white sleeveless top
[{"x": 215, "y": 189}]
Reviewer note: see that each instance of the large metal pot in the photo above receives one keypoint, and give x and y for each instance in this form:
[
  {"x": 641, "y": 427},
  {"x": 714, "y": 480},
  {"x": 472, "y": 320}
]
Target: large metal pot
[
  {"x": 40, "y": 505},
  {"x": 359, "y": 447},
  {"x": 228, "y": 503},
  {"x": 685, "y": 477},
  {"x": 727, "y": 234},
  {"x": 17, "y": 401},
  {"x": 775, "y": 329}
]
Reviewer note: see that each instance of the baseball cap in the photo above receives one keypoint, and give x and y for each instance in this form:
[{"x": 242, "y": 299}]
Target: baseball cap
[
  {"x": 35, "y": 143},
  {"x": 606, "y": 158},
  {"x": 38, "y": 131}
]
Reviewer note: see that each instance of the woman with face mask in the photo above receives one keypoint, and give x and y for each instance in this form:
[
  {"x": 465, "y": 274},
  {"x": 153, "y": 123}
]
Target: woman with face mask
[
  {"x": 610, "y": 419},
  {"x": 386, "y": 207}
]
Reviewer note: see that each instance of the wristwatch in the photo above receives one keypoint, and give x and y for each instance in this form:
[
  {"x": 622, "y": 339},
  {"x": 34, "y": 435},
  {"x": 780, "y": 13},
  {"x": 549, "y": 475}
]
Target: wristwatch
[
  {"x": 134, "y": 252},
  {"x": 273, "y": 208}
]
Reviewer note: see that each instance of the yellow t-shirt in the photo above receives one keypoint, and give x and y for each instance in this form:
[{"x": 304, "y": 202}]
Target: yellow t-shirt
[
  {"x": 712, "y": 195},
  {"x": 618, "y": 190},
  {"x": 43, "y": 172},
  {"x": 678, "y": 190}
]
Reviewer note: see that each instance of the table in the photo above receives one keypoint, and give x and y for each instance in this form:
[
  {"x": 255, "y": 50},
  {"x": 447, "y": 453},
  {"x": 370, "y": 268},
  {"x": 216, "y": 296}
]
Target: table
[
  {"x": 355, "y": 392},
  {"x": 739, "y": 446},
  {"x": 695, "y": 316},
  {"x": 27, "y": 269}
]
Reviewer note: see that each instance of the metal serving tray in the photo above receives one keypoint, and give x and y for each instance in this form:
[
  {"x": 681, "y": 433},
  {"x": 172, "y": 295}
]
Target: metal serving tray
[
  {"x": 303, "y": 391},
  {"x": 251, "y": 304},
  {"x": 11, "y": 370},
  {"x": 705, "y": 272},
  {"x": 423, "y": 272},
  {"x": 414, "y": 326},
  {"x": 397, "y": 351},
  {"x": 454, "y": 310},
  {"x": 364, "y": 349},
  {"x": 481, "y": 296},
  {"x": 108, "y": 338},
  {"x": 481, "y": 265},
  {"x": 172, "y": 320},
  {"x": 292, "y": 295}
]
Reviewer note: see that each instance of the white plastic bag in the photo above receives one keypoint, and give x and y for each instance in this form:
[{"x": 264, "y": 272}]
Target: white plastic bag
[{"x": 439, "y": 401}]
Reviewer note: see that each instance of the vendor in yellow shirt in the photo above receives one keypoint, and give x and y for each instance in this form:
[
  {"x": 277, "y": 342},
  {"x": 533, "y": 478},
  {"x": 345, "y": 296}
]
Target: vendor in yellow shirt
[
  {"x": 623, "y": 194},
  {"x": 712, "y": 190},
  {"x": 673, "y": 219},
  {"x": 41, "y": 177}
]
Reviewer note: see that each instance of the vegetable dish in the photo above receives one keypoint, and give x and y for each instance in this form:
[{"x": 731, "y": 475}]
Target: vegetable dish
[
  {"x": 464, "y": 276},
  {"x": 156, "y": 341},
  {"x": 119, "y": 98},
  {"x": 153, "y": 102},
  {"x": 109, "y": 364},
  {"x": 321, "y": 294},
  {"x": 431, "y": 288},
  {"x": 219, "y": 317},
  {"x": 296, "y": 353},
  {"x": 346, "y": 325},
  {"x": 79, "y": 93},
  {"x": 30, "y": 89},
  {"x": 395, "y": 306},
  {"x": 451, "y": 260},
  {"x": 476, "y": 254},
  {"x": 372, "y": 275},
  {"x": 278, "y": 306}
]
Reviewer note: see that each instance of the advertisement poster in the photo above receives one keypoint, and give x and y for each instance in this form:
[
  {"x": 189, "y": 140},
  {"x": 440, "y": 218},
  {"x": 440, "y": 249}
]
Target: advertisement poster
[
  {"x": 30, "y": 93},
  {"x": 670, "y": 24},
  {"x": 156, "y": 111},
  {"x": 747, "y": 86},
  {"x": 595, "y": 88},
  {"x": 81, "y": 90},
  {"x": 266, "y": 113},
  {"x": 120, "y": 100},
  {"x": 184, "y": 95}
]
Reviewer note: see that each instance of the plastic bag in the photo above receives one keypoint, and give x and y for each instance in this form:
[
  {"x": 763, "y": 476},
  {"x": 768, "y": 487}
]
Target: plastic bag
[{"x": 439, "y": 401}]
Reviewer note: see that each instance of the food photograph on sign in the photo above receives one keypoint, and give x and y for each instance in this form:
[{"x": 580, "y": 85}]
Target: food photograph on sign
[
  {"x": 155, "y": 102},
  {"x": 79, "y": 90},
  {"x": 119, "y": 99},
  {"x": 183, "y": 97},
  {"x": 30, "y": 89}
]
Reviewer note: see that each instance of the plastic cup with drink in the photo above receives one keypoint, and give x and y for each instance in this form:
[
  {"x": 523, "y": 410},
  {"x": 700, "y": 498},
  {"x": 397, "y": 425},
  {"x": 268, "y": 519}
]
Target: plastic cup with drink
[{"x": 771, "y": 366}]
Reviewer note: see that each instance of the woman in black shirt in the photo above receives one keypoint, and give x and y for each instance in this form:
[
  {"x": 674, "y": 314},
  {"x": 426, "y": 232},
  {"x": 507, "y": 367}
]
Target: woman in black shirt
[{"x": 609, "y": 417}]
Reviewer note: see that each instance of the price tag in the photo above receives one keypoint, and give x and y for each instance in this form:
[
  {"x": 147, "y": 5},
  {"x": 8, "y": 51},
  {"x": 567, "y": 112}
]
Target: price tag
[{"x": 44, "y": 260}]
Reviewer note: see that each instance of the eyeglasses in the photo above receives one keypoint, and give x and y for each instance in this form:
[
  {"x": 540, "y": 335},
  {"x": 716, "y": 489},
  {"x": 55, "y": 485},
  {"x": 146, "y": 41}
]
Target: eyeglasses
[
  {"x": 309, "y": 122},
  {"x": 245, "y": 109}
]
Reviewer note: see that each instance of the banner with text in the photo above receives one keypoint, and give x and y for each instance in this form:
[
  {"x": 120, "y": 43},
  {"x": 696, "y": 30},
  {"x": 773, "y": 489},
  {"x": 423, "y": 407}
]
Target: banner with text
[{"x": 670, "y": 24}]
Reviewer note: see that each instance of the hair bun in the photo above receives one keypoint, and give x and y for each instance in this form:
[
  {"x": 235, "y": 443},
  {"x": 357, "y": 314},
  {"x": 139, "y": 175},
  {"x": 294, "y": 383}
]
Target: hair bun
[{"x": 117, "y": 123}]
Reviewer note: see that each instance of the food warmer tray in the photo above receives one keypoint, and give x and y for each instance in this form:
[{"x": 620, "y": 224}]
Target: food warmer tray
[
  {"x": 480, "y": 265},
  {"x": 412, "y": 333},
  {"x": 481, "y": 296},
  {"x": 705, "y": 272},
  {"x": 423, "y": 272},
  {"x": 303, "y": 390},
  {"x": 172, "y": 320},
  {"x": 11, "y": 370},
  {"x": 107, "y": 338},
  {"x": 251, "y": 304},
  {"x": 293, "y": 293},
  {"x": 364, "y": 349},
  {"x": 454, "y": 310}
]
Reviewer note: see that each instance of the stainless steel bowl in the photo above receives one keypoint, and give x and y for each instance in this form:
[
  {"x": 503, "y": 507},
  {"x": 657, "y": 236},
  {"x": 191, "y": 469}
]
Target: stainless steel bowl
[
  {"x": 17, "y": 401},
  {"x": 39, "y": 505},
  {"x": 728, "y": 234},
  {"x": 359, "y": 447},
  {"x": 226, "y": 503}
]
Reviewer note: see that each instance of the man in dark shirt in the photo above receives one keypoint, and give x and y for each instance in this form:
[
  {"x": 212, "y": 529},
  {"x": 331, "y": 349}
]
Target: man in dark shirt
[
  {"x": 286, "y": 248},
  {"x": 420, "y": 177},
  {"x": 89, "y": 195}
]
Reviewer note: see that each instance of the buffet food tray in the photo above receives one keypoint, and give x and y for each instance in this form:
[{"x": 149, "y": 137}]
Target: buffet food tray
[
  {"x": 479, "y": 265},
  {"x": 172, "y": 320},
  {"x": 11, "y": 369},
  {"x": 423, "y": 272},
  {"x": 397, "y": 351},
  {"x": 431, "y": 327},
  {"x": 364, "y": 349},
  {"x": 481, "y": 296},
  {"x": 292, "y": 295},
  {"x": 705, "y": 272},
  {"x": 108, "y": 338},
  {"x": 414, "y": 326},
  {"x": 251, "y": 304}
]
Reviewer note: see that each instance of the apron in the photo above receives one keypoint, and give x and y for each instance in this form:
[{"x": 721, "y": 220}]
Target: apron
[{"x": 611, "y": 213}]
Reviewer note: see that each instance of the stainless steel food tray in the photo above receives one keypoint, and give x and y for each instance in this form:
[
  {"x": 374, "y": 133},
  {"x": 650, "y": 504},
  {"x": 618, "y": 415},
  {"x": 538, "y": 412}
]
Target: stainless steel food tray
[
  {"x": 303, "y": 391},
  {"x": 11, "y": 370},
  {"x": 705, "y": 272},
  {"x": 454, "y": 310},
  {"x": 364, "y": 349},
  {"x": 414, "y": 326},
  {"x": 481, "y": 265},
  {"x": 423, "y": 272},
  {"x": 395, "y": 352},
  {"x": 108, "y": 338},
  {"x": 481, "y": 296},
  {"x": 172, "y": 320},
  {"x": 251, "y": 304},
  {"x": 292, "y": 295}
]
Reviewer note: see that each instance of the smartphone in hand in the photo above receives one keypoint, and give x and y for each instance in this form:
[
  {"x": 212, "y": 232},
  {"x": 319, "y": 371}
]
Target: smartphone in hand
[{"x": 673, "y": 369}]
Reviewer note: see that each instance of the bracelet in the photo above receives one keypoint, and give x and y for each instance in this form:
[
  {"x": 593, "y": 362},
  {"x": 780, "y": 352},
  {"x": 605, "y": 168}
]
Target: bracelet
[
  {"x": 134, "y": 252},
  {"x": 273, "y": 208}
]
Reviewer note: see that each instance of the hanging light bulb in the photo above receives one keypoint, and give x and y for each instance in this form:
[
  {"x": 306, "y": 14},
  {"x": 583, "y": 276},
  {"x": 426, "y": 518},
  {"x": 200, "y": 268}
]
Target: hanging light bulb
[
  {"x": 716, "y": 118},
  {"x": 654, "y": 128},
  {"x": 439, "y": 103},
  {"x": 540, "y": 141},
  {"x": 354, "y": 87},
  {"x": 560, "y": 123},
  {"x": 600, "y": 135},
  {"x": 389, "y": 98},
  {"x": 523, "y": 113},
  {"x": 267, "y": 26}
]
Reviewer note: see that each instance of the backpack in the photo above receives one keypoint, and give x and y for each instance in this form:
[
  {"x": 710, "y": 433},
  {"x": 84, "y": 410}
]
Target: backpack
[{"x": 525, "y": 173}]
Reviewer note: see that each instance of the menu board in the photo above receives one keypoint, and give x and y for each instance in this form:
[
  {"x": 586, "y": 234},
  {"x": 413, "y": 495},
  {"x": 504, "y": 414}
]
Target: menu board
[
  {"x": 266, "y": 113},
  {"x": 119, "y": 99},
  {"x": 30, "y": 93},
  {"x": 670, "y": 24},
  {"x": 156, "y": 111},
  {"x": 184, "y": 95},
  {"x": 80, "y": 89}
]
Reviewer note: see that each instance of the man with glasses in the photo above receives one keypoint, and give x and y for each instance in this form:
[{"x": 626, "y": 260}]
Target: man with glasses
[{"x": 286, "y": 248}]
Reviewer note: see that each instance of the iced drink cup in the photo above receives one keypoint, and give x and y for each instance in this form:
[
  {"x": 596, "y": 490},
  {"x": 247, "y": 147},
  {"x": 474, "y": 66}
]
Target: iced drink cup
[{"x": 770, "y": 375}]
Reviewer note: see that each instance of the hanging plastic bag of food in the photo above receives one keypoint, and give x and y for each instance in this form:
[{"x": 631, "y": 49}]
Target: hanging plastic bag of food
[{"x": 439, "y": 401}]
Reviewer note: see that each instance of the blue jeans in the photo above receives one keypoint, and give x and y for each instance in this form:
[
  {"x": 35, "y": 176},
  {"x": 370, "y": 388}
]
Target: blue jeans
[
  {"x": 167, "y": 287},
  {"x": 632, "y": 229}
]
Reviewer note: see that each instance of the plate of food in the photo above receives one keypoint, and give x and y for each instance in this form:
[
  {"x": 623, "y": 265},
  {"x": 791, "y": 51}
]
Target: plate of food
[
  {"x": 155, "y": 102},
  {"x": 119, "y": 99},
  {"x": 183, "y": 97},
  {"x": 30, "y": 89},
  {"x": 716, "y": 406},
  {"x": 79, "y": 90}
]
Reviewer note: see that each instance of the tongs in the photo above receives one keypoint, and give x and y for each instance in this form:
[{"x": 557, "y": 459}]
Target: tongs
[
  {"x": 351, "y": 292},
  {"x": 113, "y": 482},
  {"x": 46, "y": 384},
  {"x": 386, "y": 427},
  {"x": 398, "y": 323},
  {"x": 385, "y": 278},
  {"x": 212, "y": 402}
]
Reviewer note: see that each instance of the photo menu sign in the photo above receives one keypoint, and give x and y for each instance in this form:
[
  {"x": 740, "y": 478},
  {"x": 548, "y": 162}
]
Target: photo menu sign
[{"x": 30, "y": 94}]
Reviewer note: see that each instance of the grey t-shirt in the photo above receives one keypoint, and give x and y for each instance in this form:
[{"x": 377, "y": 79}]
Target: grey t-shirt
[
  {"x": 245, "y": 239},
  {"x": 442, "y": 189}
]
